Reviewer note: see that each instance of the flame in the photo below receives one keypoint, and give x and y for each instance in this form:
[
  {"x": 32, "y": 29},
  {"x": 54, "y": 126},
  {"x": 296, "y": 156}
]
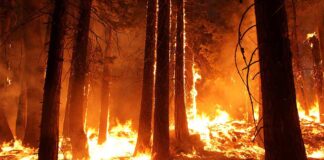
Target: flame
[{"x": 218, "y": 131}]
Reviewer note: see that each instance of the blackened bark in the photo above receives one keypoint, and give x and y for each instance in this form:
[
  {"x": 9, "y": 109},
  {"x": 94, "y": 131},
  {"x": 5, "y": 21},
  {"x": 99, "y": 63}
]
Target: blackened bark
[
  {"x": 49, "y": 136},
  {"x": 161, "y": 110},
  {"x": 282, "y": 134},
  {"x": 6, "y": 134},
  {"x": 145, "y": 121},
  {"x": 105, "y": 94},
  {"x": 79, "y": 74},
  {"x": 318, "y": 71},
  {"x": 181, "y": 124}
]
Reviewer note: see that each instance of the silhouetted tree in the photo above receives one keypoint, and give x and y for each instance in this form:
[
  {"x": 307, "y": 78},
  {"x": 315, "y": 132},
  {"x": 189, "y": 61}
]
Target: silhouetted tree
[
  {"x": 49, "y": 137},
  {"x": 161, "y": 110},
  {"x": 282, "y": 134},
  {"x": 180, "y": 115},
  {"x": 145, "y": 121},
  {"x": 79, "y": 74},
  {"x": 105, "y": 93}
]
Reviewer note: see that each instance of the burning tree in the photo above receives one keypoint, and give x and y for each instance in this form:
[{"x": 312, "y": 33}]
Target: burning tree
[
  {"x": 282, "y": 134},
  {"x": 49, "y": 137},
  {"x": 161, "y": 110},
  {"x": 79, "y": 74},
  {"x": 181, "y": 124},
  {"x": 145, "y": 128}
]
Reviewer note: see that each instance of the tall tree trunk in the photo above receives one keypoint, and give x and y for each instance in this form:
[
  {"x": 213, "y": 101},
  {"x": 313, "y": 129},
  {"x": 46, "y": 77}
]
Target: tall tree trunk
[
  {"x": 321, "y": 37},
  {"x": 318, "y": 70},
  {"x": 282, "y": 134},
  {"x": 79, "y": 73},
  {"x": 297, "y": 67},
  {"x": 145, "y": 121},
  {"x": 161, "y": 110},
  {"x": 181, "y": 124},
  {"x": 105, "y": 93},
  {"x": 49, "y": 136},
  {"x": 66, "y": 122},
  {"x": 21, "y": 112},
  {"x": 34, "y": 71}
]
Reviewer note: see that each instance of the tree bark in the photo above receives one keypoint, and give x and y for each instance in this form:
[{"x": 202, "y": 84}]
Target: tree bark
[
  {"x": 181, "y": 124},
  {"x": 105, "y": 94},
  {"x": 21, "y": 112},
  {"x": 318, "y": 71},
  {"x": 161, "y": 110},
  {"x": 145, "y": 121},
  {"x": 49, "y": 136},
  {"x": 79, "y": 74},
  {"x": 282, "y": 134}
]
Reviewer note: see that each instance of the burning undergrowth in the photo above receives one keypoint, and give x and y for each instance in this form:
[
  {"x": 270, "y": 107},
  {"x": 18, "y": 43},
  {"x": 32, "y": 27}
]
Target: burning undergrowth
[{"x": 221, "y": 138}]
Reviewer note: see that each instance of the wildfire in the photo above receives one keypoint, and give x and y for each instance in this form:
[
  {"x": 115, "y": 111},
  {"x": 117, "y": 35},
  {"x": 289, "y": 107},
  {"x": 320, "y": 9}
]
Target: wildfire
[{"x": 218, "y": 131}]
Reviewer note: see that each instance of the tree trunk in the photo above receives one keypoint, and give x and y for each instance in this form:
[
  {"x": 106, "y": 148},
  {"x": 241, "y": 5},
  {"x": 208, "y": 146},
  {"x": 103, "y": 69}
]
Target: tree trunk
[
  {"x": 34, "y": 71},
  {"x": 79, "y": 73},
  {"x": 181, "y": 124},
  {"x": 161, "y": 110},
  {"x": 282, "y": 134},
  {"x": 105, "y": 93},
  {"x": 21, "y": 112},
  {"x": 49, "y": 136},
  {"x": 66, "y": 122},
  {"x": 145, "y": 121},
  {"x": 318, "y": 71},
  {"x": 321, "y": 37}
]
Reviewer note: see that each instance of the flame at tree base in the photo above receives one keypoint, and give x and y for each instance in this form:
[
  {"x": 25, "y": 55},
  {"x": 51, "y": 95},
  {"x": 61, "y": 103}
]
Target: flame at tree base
[{"x": 220, "y": 134}]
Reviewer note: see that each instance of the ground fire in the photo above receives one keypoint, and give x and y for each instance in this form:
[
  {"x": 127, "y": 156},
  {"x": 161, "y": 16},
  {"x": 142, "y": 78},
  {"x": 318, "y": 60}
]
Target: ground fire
[{"x": 161, "y": 79}]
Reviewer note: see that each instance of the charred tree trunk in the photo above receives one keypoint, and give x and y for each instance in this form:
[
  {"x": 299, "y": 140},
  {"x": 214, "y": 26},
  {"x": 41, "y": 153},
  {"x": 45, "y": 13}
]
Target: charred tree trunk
[
  {"x": 282, "y": 134},
  {"x": 79, "y": 73},
  {"x": 161, "y": 110},
  {"x": 318, "y": 71},
  {"x": 49, "y": 136},
  {"x": 105, "y": 94},
  {"x": 181, "y": 124},
  {"x": 145, "y": 121}
]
